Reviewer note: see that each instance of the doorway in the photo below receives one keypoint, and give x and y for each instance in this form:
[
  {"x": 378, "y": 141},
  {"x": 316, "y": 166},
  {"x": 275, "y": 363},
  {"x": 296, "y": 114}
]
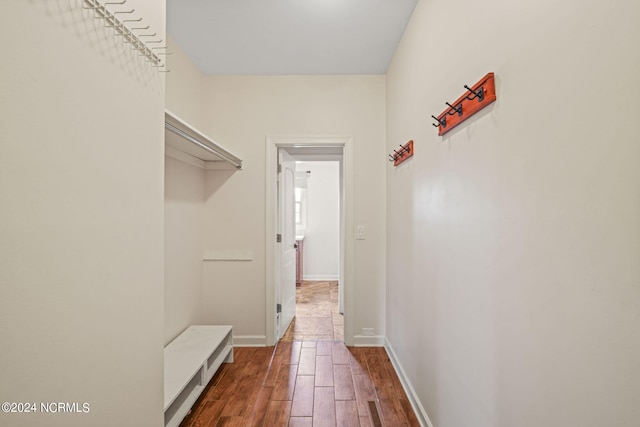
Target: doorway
[
  {"x": 317, "y": 202},
  {"x": 329, "y": 149}
]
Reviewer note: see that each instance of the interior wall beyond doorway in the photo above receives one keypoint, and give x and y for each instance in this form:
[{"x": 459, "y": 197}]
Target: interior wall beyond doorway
[{"x": 321, "y": 212}]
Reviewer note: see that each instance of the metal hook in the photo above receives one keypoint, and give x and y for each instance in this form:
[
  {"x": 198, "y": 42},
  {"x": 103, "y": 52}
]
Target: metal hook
[
  {"x": 115, "y": 2},
  {"x": 146, "y": 51},
  {"x": 133, "y": 39},
  {"x": 124, "y": 29},
  {"x": 479, "y": 94},
  {"x": 104, "y": 7},
  {"x": 457, "y": 110},
  {"x": 115, "y": 21},
  {"x": 161, "y": 53},
  {"x": 125, "y": 11},
  {"x": 93, "y": 2},
  {"x": 441, "y": 122}
]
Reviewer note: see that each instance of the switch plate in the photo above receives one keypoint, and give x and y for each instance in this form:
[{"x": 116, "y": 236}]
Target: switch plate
[{"x": 360, "y": 232}]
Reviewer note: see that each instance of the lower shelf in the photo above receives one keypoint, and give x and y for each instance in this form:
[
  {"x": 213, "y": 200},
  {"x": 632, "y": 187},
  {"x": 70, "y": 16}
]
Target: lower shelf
[
  {"x": 191, "y": 360},
  {"x": 180, "y": 407}
]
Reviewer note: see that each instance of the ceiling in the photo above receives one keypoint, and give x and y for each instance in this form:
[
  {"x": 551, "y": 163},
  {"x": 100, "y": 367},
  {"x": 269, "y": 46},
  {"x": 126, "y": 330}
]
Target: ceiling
[{"x": 288, "y": 37}]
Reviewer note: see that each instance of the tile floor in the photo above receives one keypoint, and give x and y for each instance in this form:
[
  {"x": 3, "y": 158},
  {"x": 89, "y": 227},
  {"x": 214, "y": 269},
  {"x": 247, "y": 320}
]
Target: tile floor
[{"x": 317, "y": 316}]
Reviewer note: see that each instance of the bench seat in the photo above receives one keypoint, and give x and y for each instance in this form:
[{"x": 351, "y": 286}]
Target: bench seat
[{"x": 190, "y": 361}]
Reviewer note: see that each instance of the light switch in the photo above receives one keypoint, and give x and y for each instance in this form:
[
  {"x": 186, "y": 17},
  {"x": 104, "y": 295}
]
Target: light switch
[{"x": 360, "y": 232}]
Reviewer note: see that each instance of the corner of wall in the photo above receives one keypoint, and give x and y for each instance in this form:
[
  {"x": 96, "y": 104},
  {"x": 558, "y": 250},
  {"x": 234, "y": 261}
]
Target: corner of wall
[{"x": 416, "y": 404}]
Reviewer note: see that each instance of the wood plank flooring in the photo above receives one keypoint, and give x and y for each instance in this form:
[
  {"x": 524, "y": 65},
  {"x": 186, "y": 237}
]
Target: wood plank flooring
[{"x": 305, "y": 382}]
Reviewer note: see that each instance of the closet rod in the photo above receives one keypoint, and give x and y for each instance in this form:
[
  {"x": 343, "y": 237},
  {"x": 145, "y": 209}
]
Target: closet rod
[{"x": 201, "y": 145}]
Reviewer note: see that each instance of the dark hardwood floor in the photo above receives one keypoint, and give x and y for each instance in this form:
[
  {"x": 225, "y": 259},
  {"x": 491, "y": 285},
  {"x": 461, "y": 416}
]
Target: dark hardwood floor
[{"x": 305, "y": 382}]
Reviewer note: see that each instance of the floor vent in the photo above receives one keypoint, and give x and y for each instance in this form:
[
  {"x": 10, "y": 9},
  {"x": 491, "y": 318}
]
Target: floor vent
[{"x": 376, "y": 421}]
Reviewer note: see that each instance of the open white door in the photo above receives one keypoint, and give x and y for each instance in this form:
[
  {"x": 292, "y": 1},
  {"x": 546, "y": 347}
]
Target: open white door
[{"x": 287, "y": 226}]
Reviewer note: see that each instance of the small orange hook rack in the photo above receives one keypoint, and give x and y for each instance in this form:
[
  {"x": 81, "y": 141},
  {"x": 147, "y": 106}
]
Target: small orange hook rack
[
  {"x": 474, "y": 99},
  {"x": 405, "y": 152}
]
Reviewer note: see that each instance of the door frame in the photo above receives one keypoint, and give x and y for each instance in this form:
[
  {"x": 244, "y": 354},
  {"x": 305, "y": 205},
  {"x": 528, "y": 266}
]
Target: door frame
[
  {"x": 271, "y": 226},
  {"x": 282, "y": 246}
]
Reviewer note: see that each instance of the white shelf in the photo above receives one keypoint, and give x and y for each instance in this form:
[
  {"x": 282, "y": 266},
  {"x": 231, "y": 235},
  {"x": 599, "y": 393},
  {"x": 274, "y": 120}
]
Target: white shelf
[
  {"x": 190, "y": 361},
  {"x": 228, "y": 255},
  {"x": 186, "y": 143}
]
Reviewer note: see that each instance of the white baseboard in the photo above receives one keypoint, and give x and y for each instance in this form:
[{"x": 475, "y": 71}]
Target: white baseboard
[
  {"x": 249, "y": 341},
  {"x": 321, "y": 278},
  {"x": 368, "y": 341},
  {"x": 418, "y": 409}
]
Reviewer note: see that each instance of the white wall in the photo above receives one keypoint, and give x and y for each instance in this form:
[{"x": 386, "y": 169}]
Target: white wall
[
  {"x": 513, "y": 281},
  {"x": 241, "y": 112},
  {"x": 184, "y": 94},
  {"x": 184, "y": 222},
  {"x": 184, "y": 203},
  {"x": 81, "y": 218},
  {"x": 322, "y": 236}
]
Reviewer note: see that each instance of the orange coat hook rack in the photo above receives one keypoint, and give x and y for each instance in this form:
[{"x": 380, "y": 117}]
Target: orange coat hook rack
[
  {"x": 474, "y": 99},
  {"x": 405, "y": 152}
]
